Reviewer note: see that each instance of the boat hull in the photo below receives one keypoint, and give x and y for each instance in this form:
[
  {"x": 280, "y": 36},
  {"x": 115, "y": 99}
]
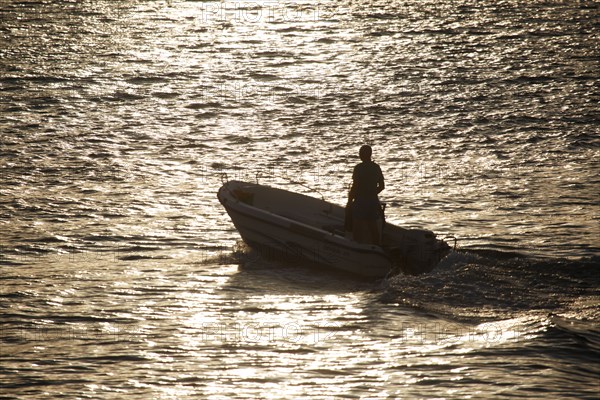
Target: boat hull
[
  {"x": 286, "y": 224},
  {"x": 287, "y": 239}
]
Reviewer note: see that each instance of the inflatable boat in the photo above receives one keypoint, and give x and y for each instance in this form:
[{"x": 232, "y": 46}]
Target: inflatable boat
[{"x": 286, "y": 224}]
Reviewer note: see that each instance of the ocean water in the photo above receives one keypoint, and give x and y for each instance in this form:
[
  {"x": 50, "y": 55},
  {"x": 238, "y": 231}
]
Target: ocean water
[{"x": 121, "y": 276}]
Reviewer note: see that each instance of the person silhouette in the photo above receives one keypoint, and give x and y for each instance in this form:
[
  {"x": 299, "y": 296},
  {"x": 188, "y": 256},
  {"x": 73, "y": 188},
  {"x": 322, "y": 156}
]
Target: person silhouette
[{"x": 367, "y": 183}]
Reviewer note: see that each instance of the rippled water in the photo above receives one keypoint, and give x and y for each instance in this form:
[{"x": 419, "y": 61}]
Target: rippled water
[{"x": 121, "y": 275}]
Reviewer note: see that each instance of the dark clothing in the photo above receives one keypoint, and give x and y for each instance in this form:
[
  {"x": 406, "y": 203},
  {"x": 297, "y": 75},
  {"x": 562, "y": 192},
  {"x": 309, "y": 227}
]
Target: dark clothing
[
  {"x": 367, "y": 177},
  {"x": 366, "y": 208}
]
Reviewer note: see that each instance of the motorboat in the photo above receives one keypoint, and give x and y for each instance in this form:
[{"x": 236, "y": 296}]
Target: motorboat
[{"x": 282, "y": 223}]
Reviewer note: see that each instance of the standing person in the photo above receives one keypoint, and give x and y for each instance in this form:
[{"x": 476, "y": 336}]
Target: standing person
[{"x": 367, "y": 183}]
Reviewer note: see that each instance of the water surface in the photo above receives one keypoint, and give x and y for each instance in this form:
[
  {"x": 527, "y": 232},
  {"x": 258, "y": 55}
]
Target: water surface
[{"x": 123, "y": 276}]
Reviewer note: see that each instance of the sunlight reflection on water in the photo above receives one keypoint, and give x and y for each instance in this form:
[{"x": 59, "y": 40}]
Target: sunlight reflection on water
[{"x": 121, "y": 274}]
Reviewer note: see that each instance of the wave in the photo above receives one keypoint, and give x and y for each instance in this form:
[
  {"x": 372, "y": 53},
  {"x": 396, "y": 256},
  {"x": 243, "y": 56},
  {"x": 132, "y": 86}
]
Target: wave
[
  {"x": 566, "y": 351},
  {"x": 489, "y": 285}
]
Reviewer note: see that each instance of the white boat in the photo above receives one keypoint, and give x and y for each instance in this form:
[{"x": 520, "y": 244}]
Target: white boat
[{"x": 282, "y": 223}]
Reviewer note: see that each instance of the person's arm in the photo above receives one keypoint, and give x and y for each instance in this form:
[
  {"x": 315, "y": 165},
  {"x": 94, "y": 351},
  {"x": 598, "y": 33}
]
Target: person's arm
[
  {"x": 380, "y": 183},
  {"x": 351, "y": 193}
]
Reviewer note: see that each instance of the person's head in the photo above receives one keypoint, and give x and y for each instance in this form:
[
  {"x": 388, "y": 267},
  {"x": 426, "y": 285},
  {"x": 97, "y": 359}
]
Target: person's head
[{"x": 365, "y": 152}]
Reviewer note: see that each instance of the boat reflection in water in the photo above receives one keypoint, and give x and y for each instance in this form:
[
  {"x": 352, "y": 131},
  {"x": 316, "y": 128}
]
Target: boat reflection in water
[{"x": 290, "y": 224}]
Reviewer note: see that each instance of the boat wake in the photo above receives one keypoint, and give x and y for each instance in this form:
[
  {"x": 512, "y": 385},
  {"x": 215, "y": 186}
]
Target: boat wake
[
  {"x": 475, "y": 285},
  {"x": 480, "y": 285}
]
